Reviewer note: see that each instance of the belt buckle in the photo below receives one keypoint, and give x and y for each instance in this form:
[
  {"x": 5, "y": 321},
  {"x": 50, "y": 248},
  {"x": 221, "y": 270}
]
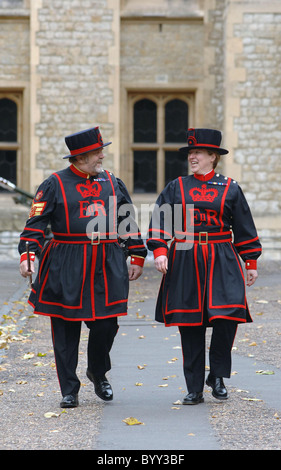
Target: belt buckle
[
  {"x": 205, "y": 234},
  {"x": 95, "y": 238}
]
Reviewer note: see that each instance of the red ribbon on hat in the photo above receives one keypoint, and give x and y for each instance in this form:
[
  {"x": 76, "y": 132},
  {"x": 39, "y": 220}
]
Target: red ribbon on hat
[{"x": 85, "y": 149}]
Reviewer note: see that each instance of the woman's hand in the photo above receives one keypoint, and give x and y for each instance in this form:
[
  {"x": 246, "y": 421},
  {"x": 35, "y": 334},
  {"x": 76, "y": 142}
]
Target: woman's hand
[
  {"x": 161, "y": 264},
  {"x": 252, "y": 275}
]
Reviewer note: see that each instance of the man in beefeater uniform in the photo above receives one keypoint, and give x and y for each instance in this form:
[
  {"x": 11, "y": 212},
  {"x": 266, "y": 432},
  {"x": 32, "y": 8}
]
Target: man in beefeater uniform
[
  {"x": 203, "y": 282},
  {"x": 82, "y": 273}
]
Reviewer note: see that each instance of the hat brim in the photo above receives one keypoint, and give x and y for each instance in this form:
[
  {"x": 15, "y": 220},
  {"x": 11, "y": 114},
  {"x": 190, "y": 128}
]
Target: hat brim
[
  {"x": 215, "y": 150},
  {"x": 82, "y": 153}
]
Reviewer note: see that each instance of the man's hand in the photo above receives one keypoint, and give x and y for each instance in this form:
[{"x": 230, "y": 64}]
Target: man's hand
[
  {"x": 24, "y": 268},
  {"x": 135, "y": 272},
  {"x": 161, "y": 264},
  {"x": 252, "y": 275}
]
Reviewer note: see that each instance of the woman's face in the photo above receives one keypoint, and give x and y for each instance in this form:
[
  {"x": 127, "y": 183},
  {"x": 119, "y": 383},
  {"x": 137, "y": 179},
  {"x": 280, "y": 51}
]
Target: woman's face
[{"x": 200, "y": 161}]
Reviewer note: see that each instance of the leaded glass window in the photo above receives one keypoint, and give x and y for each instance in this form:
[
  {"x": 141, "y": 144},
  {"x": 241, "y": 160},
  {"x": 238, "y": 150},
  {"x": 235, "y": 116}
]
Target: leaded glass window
[
  {"x": 176, "y": 117},
  {"x": 8, "y": 139},
  {"x": 159, "y": 128},
  {"x": 145, "y": 123},
  {"x": 8, "y": 120}
]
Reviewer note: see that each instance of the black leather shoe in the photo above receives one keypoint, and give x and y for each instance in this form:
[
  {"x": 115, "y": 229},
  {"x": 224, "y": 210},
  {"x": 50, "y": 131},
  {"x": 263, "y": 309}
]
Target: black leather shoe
[
  {"x": 193, "y": 398},
  {"x": 69, "y": 401},
  {"x": 102, "y": 386},
  {"x": 219, "y": 390}
]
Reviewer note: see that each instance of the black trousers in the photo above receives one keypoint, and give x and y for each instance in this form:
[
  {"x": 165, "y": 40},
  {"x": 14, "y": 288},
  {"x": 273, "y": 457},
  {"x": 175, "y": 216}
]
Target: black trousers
[
  {"x": 193, "y": 341},
  {"x": 66, "y": 338}
]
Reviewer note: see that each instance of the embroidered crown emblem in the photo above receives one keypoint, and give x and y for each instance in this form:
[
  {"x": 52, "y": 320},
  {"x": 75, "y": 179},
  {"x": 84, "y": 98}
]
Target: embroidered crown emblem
[
  {"x": 203, "y": 194},
  {"x": 89, "y": 189}
]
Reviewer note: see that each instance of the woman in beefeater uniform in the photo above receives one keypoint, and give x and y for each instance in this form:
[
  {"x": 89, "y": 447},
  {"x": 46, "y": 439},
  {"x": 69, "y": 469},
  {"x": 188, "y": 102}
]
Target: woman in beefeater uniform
[{"x": 203, "y": 283}]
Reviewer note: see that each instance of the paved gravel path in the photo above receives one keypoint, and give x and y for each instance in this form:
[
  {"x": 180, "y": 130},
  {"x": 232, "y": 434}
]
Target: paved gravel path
[{"x": 29, "y": 391}]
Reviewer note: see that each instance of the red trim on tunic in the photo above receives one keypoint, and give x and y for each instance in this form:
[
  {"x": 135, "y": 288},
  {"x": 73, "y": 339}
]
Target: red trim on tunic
[
  {"x": 132, "y": 247},
  {"x": 76, "y": 319},
  {"x": 115, "y": 203},
  {"x": 245, "y": 242},
  {"x": 158, "y": 231},
  {"x": 206, "y": 177},
  {"x": 211, "y": 283},
  {"x": 250, "y": 251},
  {"x": 162, "y": 251},
  {"x": 183, "y": 203},
  {"x": 34, "y": 230},
  {"x": 107, "y": 303},
  {"x": 31, "y": 240},
  {"x": 223, "y": 202},
  {"x": 59, "y": 303},
  {"x": 93, "y": 269},
  {"x": 251, "y": 264},
  {"x": 199, "y": 308},
  {"x": 137, "y": 261},
  {"x": 78, "y": 172},
  {"x": 65, "y": 202}
]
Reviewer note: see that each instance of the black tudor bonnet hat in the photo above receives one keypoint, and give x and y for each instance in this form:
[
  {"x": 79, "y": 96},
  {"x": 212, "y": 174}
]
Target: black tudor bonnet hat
[
  {"x": 209, "y": 139},
  {"x": 84, "y": 141}
]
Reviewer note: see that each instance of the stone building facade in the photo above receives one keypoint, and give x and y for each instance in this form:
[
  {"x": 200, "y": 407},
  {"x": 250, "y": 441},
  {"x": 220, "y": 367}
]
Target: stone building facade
[{"x": 68, "y": 65}]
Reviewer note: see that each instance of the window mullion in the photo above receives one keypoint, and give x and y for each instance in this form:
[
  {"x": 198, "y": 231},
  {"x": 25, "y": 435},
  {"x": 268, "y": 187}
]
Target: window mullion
[{"x": 161, "y": 141}]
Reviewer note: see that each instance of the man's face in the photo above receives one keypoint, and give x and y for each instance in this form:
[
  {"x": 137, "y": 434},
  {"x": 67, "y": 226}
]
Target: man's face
[{"x": 91, "y": 162}]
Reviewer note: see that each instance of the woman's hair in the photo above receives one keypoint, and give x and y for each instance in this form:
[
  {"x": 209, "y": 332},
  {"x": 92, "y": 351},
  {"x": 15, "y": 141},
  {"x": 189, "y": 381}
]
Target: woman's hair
[{"x": 217, "y": 159}]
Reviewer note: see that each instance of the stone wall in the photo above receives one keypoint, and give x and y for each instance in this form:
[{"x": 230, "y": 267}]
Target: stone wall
[
  {"x": 15, "y": 49},
  {"x": 253, "y": 110},
  {"x": 74, "y": 61},
  {"x": 258, "y": 125},
  {"x": 74, "y": 39}
]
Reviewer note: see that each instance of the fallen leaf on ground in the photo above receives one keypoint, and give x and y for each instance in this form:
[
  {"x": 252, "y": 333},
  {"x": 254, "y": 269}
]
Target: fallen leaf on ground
[
  {"x": 131, "y": 421},
  {"x": 51, "y": 414},
  {"x": 265, "y": 372},
  {"x": 251, "y": 399},
  {"x": 28, "y": 356}
]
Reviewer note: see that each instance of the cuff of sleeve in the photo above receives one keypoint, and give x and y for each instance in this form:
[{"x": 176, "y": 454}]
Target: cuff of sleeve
[
  {"x": 24, "y": 256},
  {"x": 160, "y": 251},
  {"x": 251, "y": 264},
  {"x": 137, "y": 260}
]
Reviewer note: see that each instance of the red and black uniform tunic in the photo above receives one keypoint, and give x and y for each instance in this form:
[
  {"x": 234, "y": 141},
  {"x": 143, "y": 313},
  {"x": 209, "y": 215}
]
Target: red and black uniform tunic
[
  {"x": 205, "y": 279},
  {"x": 82, "y": 273}
]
